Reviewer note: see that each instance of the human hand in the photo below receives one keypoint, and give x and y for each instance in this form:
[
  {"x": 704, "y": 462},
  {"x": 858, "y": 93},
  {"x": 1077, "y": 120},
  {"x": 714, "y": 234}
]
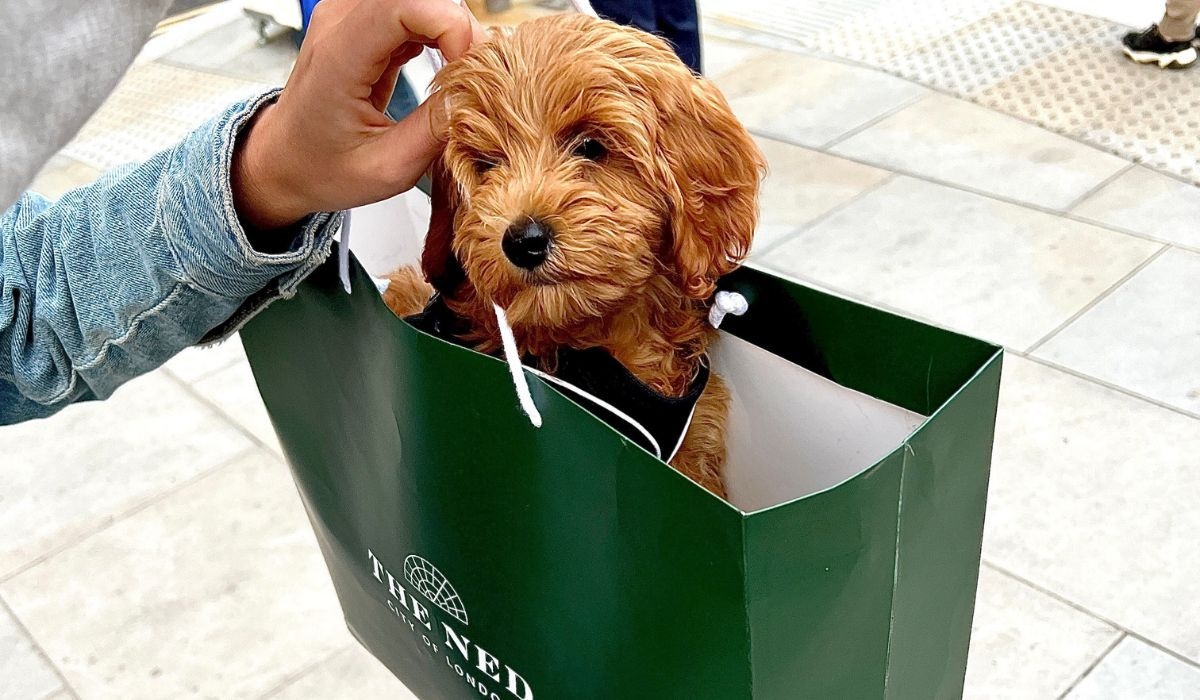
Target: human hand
[{"x": 326, "y": 144}]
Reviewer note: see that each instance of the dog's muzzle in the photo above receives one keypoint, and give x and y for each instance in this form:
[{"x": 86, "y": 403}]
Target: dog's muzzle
[{"x": 527, "y": 244}]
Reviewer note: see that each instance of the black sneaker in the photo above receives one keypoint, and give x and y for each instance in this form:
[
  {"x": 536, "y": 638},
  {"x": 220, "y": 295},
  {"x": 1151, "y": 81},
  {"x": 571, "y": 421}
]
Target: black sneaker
[{"x": 1150, "y": 47}]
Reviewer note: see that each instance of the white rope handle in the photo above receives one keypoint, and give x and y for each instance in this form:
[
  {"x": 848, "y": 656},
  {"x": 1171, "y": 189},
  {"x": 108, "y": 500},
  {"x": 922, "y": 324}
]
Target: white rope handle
[
  {"x": 344, "y": 252},
  {"x": 511, "y": 356},
  {"x": 513, "y": 359},
  {"x": 725, "y": 303}
]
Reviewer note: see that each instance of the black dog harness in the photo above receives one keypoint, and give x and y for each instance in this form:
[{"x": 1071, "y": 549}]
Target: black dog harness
[{"x": 597, "y": 381}]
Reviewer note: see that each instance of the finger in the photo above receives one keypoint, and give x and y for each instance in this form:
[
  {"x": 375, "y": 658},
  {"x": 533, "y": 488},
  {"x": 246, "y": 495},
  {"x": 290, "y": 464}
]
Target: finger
[
  {"x": 478, "y": 33},
  {"x": 452, "y": 44},
  {"x": 374, "y": 29},
  {"x": 410, "y": 145},
  {"x": 385, "y": 85}
]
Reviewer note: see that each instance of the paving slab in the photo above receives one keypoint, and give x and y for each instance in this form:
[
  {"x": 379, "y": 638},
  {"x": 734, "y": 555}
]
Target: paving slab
[
  {"x": 974, "y": 264},
  {"x": 216, "y": 591},
  {"x": 1145, "y": 336},
  {"x": 1137, "y": 670},
  {"x": 1093, "y": 496},
  {"x": 947, "y": 139},
  {"x": 1025, "y": 644},
  {"x": 69, "y": 475},
  {"x": 1150, "y": 203},
  {"x": 26, "y": 674}
]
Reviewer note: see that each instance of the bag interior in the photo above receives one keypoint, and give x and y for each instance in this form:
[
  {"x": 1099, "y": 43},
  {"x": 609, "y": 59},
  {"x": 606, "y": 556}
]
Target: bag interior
[{"x": 792, "y": 433}]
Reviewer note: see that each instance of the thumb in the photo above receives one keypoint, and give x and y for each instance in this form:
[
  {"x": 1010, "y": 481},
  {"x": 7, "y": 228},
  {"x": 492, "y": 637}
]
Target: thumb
[{"x": 410, "y": 145}]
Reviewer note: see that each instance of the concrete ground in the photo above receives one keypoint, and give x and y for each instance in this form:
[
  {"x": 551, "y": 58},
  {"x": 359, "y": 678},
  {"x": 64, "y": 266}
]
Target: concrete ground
[
  {"x": 1043, "y": 61},
  {"x": 153, "y": 546}
]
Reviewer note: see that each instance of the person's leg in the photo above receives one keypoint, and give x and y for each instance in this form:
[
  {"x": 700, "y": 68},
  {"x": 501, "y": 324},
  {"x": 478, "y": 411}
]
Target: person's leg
[
  {"x": 679, "y": 23},
  {"x": 403, "y": 101},
  {"x": 1179, "y": 20},
  {"x": 634, "y": 13}
]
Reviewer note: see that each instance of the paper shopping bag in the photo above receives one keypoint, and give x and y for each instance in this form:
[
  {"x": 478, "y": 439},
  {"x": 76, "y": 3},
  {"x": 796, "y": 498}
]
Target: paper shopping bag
[{"x": 479, "y": 557}]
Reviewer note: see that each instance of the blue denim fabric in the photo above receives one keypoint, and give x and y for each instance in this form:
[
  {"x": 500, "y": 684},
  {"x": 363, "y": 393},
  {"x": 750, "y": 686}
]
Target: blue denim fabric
[{"x": 114, "y": 278}]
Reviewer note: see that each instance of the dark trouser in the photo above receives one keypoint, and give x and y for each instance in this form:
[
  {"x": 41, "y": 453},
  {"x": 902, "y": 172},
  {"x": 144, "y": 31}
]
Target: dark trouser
[
  {"x": 403, "y": 101},
  {"x": 675, "y": 20}
]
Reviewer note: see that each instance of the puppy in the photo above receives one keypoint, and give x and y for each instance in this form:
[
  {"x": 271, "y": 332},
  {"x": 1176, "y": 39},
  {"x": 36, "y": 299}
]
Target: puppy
[{"x": 595, "y": 189}]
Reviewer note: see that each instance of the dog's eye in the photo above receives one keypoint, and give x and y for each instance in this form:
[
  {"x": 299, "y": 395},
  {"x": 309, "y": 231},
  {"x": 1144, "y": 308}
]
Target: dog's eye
[{"x": 590, "y": 149}]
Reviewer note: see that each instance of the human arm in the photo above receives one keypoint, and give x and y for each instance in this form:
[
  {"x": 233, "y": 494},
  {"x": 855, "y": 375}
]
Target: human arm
[{"x": 116, "y": 277}]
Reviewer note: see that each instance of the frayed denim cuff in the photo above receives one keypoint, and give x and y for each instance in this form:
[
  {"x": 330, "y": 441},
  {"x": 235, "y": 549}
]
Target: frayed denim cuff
[{"x": 213, "y": 248}]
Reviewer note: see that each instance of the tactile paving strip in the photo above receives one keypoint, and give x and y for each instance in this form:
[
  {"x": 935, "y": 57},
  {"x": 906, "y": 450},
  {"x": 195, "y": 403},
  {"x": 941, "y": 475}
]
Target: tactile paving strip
[
  {"x": 1088, "y": 90},
  {"x": 993, "y": 48},
  {"x": 1059, "y": 69},
  {"x": 153, "y": 107}
]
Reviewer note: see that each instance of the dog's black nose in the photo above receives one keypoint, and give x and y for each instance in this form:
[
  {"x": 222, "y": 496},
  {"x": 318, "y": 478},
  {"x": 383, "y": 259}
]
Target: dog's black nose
[{"x": 527, "y": 244}]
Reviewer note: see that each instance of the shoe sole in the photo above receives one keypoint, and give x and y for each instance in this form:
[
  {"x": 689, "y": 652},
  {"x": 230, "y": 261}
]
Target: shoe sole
[{"x": 1179, "y": 59}]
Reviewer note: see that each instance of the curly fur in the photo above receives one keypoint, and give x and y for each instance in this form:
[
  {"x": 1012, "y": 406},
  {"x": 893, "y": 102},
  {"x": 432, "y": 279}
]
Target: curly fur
[{"x": 640, "y": 235}]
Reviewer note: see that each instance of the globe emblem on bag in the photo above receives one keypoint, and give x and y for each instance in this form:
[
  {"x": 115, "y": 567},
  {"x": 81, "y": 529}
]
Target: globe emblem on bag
[{"x": 432, "y": 584}]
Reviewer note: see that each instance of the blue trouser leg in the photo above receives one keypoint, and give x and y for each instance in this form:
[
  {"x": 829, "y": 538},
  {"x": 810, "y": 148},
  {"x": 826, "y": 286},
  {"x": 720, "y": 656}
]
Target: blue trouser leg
[
  {"x": 679, "y": 23},
  {"x": 403, "y": 101},
  {"x": 674, "y": 20},
  {"x": 635, "y": 13}
]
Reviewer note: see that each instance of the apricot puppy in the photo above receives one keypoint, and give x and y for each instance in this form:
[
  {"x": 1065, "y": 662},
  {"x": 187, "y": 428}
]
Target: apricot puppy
[{"x": 596, "y": 189}]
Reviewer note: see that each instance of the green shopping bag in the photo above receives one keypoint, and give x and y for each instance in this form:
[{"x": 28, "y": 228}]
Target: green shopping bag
[{"x": 479, "y": 557}]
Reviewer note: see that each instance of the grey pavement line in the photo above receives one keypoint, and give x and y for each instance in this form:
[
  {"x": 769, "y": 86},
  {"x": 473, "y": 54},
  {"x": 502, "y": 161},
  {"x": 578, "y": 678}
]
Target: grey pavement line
[
  {"x": 1131, "y": 232},
  {"x": 123, "y": 515},
  {"x": 212, "y": 71},
  {"x": 1095, "y": 616},
  {"x": 1105, "y": 183},
  {"x": 37, "y": 646},
  {"x": 786, "y": 238},
  {"x": 1092, "y": 666},
  {"x": 803, "y": 279},
  {"x": 854, "y": 296},
  {"x": 70, "y": 692},
  {"x": 872, "y": 122},
  {"x": 794, "y": 46},
  {"x": 1097, "y": 299},
  {"x": 221, "y": 412},
  {"x": 980, "y": 193},
  {"x": 859, "y": 298},
  {"x": 1106, "y": 384},
  {"x": 295, "y": 677},
  {"x": 758, "y": 48},
  {"x": 208, "y": 373},
  {"x": 63, "y": 155}
]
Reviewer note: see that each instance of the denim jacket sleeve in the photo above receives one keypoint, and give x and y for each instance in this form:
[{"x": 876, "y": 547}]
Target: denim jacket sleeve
[{"x": 116, "y": 277}]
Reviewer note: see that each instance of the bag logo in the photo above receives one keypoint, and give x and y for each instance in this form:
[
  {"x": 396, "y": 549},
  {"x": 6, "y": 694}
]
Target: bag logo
[
  {"x": 432, "y": 584},
  {"x": 480, "y": 669}
]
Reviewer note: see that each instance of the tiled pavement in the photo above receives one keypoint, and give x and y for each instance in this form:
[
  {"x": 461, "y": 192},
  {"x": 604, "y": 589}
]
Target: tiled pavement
[
  {"x": 152, "y": 546},
  {"x": 1055, "y": 63}
]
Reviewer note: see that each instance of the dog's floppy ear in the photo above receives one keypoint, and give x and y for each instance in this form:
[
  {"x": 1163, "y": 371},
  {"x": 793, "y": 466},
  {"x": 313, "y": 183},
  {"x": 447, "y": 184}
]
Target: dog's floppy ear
[
  {"x": 714, "y": 173},
  {"x": 441, "y": 268}
]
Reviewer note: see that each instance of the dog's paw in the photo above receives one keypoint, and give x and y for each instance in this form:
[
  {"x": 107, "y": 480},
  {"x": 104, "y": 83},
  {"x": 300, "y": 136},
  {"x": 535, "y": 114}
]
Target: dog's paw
[{"x": 407, "y": 292}]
